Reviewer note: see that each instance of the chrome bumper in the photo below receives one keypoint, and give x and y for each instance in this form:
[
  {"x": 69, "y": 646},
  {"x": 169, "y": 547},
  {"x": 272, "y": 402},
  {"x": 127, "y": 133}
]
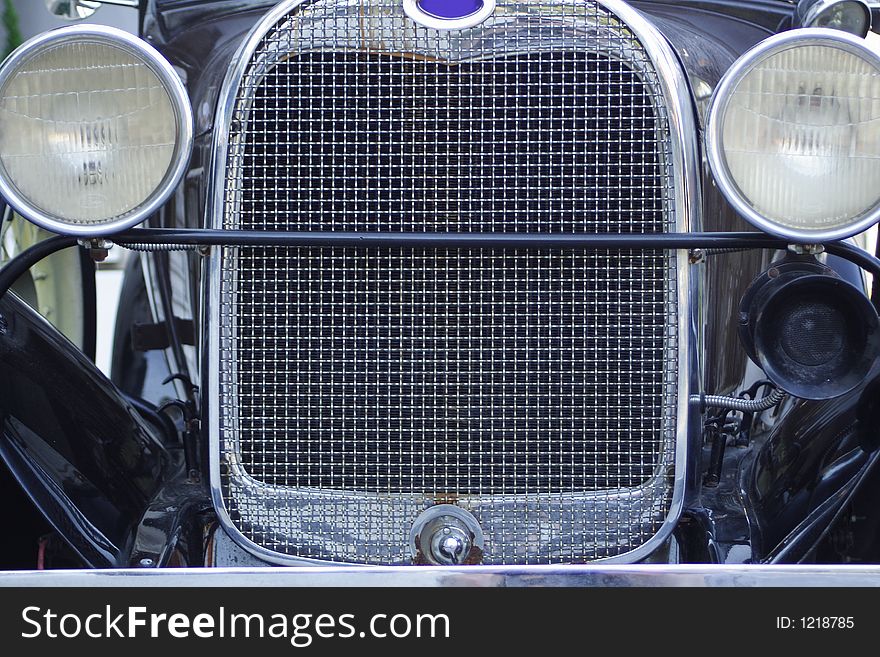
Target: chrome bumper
[{"x": 580, "y": 576}]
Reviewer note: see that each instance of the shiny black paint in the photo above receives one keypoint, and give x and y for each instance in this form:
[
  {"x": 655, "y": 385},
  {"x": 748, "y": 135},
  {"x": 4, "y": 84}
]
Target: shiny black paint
[
  {"x": 84, "y": 456},
  {"x": 19, "y": 550},
  {"x": 695, "y": 536},
  {"x": 804, "y": 461},
  {"x": 171, "y": 528},
  {"x": 201, "y": 42},
  {"x": 804, "y": 539}
]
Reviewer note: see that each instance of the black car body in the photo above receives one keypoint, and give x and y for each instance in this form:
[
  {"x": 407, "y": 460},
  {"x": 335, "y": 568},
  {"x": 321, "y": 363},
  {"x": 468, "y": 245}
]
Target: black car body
[{"x": 412, "y": 284}]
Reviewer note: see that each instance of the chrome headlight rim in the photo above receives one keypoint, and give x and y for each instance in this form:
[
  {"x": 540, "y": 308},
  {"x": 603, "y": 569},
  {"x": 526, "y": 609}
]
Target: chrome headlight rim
[
  {"x": 719, "y": 104},
  {"x": 806, "y": 14},
  {"x": 177, "y": 94}
]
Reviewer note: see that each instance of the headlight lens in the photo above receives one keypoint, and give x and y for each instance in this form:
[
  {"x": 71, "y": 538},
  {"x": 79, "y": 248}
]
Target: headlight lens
[
  {"x": 95, "y": 130},
  {"x": 794, "y": 135}
]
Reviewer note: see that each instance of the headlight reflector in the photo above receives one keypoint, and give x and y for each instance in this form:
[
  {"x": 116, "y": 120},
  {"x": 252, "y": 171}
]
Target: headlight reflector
[
  {"x": 794, "y": 135},
  {"x": 95, "y": 130}
]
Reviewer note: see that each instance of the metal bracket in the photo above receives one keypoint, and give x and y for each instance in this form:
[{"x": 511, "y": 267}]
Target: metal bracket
[
  {"x": 97, "y": 248},
  {"x": 149, "y": 337},
  {"x": 806, "y": 249}
]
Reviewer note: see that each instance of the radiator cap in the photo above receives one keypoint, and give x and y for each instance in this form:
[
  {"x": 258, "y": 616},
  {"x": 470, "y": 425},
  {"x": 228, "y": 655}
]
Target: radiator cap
[{"x": 446, "y": 535}]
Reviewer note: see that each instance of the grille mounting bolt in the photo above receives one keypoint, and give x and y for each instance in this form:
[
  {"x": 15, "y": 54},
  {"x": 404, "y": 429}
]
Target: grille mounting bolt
[
  {"x": 452, "y": 548},
  {"x": 695, "y": 256}
]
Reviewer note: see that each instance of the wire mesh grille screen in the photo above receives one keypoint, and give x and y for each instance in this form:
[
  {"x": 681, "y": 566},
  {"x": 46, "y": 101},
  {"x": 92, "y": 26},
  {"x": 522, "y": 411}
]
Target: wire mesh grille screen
[{"x": 535, "y": 389}]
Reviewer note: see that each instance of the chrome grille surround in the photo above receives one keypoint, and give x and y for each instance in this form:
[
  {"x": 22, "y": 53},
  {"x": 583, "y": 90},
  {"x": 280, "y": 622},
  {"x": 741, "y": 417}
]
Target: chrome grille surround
[{"x": 333, "y": 502}]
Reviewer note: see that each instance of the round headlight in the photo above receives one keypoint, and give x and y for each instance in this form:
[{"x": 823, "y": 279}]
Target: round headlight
[
  {"x": 95, "y": 130},
  {"x": 853, "y": 16},
  {"x": 794, "y": 135}
]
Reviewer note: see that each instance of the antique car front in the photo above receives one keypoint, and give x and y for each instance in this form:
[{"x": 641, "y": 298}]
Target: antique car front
[{"x": 467, "y": 289}]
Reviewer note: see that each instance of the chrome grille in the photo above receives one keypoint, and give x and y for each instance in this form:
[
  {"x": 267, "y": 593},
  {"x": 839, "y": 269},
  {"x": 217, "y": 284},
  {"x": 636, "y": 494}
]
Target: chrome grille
[{"x": 359, "y": 386}]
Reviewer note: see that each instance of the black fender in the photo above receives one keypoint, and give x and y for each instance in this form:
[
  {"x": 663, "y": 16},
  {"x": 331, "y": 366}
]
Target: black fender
[{"x": 81, "y": 452}]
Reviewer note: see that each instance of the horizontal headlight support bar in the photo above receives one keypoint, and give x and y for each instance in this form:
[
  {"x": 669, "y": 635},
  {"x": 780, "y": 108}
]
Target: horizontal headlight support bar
[
  {"x": 199, "y": 237},
  {"x": 212, "y": 237}
]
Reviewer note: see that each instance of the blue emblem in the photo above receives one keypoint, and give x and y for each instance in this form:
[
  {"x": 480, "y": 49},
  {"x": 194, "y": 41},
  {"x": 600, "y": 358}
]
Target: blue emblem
[
  {"x": 450, "y": 9},
  {"x": 449, "y": 14}
]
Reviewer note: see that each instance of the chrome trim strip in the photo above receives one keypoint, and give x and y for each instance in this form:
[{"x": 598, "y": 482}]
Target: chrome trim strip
[
  {"x": 482, "y": 576},
  {"x": 718, "y": 107},
  {"x": 179, "y": 100},
  {"x": 687, "y": 194}
]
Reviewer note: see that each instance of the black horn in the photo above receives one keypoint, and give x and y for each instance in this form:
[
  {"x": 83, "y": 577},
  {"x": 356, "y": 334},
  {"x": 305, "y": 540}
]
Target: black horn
[{"x": 815, "y": 335}]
